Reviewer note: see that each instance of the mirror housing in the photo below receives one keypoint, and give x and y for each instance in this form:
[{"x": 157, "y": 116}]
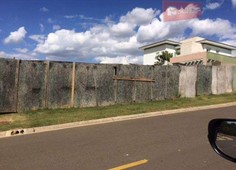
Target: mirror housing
[{"x": 222, "y": 137}]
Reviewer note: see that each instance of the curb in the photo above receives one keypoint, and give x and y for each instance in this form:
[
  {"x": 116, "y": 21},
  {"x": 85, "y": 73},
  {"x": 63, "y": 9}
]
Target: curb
[{"x": 18, "y": 132}]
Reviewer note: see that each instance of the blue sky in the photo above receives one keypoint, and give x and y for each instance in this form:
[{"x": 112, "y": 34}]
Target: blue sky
[{"x": 103, "y": 31}]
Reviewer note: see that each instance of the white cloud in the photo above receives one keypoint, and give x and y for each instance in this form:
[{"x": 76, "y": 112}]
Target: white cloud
[
  {"x": 155, "y": 30},
  {"x": 122, "y": 30},
  {"x": 89, "y": 44},
  {"x": 105, "y": 41},
  {"x": 38, "y": 38},
  {"x": 16, "y": 36},
  {"x": 71, "y": 16},
  {"x": 118, "y": 42},
  {"x": 140, "y": 16},
  {"x": 41, "y": 27},
  {"x": 63, "y": 41},
  {"x": 56, "y": 27},
  {"x": 23, "y": 56},
  {"x": 44, "y": 9},
  {"x": 86, "y": 18},
  {"x": 83, "y": 17},
  {"x": 2, "y": 54},
  {"x": 214, "y": 4},
  {"x": 234, "y": 3},
  {"x": 21, "y": 50},
  {"x": 50, "y": 21},
  {"x": 120, "y": 60},
  {"x": 210, "y": 27}
]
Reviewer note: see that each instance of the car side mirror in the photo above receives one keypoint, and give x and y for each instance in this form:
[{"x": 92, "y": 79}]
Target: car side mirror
[{"x": 222, "y": 137}]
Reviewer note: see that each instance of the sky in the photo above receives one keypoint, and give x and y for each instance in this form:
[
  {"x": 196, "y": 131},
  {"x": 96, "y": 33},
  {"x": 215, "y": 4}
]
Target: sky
[{"x": 104, "y": 31}]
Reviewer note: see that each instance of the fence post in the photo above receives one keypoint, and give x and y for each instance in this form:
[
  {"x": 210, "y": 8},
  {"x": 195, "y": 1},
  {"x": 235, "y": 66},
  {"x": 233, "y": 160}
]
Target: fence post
[{"x": 115, "y": 83}]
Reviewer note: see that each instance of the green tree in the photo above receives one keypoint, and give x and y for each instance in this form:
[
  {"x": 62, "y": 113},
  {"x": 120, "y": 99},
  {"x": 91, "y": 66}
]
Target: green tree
[{"x": 164, "y": 56}]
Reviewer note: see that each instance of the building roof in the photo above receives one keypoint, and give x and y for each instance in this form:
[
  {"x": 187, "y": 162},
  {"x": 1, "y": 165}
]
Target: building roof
[
  {"x": 174, "y": 43},
  {"x": 177, "y": 44},
  {"x": 218, "y": 44}
]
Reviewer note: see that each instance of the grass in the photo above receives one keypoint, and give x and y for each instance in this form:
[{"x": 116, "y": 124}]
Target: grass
[{"x": 57, "y": 116}]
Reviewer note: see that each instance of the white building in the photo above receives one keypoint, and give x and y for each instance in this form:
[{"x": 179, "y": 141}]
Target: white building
[
  {"x": 152, "y": 50},
  {"x": 190, "y": 51}
]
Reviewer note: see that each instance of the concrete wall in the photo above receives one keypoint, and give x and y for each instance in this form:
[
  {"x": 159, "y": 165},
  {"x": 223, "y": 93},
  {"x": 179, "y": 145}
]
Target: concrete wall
[
  {"x": 222, "y": 79},
  {"x": 204, "y": 80},
  {"x": 166, "y": 83},
  {"x": 31, "y": 88},
  {"x": 85, "y": 86},
  {"x": 94, "y": 85},
  {"x": 172, "y": 73},
  {"x": 59, "y": 85},
  {"x": 187, "y": 81},
  {"x": 8, "y": 85},
  {"x": 143, "y": 90},
  {"x": 125, "y": 88},
  {"x": 30, "y": 85}
]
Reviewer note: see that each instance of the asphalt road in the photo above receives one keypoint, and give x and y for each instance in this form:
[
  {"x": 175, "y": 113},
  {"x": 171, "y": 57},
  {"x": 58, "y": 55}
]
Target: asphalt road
[
  {"x": 177, "y": 141},
  {"x": 227, "y": 144}
]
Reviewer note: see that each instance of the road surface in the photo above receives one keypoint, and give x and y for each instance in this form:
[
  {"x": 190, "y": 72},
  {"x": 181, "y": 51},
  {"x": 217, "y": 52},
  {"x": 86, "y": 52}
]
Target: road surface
[{"x": 177, "y": 141}]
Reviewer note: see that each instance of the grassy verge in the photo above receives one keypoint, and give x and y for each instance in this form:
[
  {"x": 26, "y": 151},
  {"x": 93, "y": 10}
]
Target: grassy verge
[{"x": 58, "y": 116}]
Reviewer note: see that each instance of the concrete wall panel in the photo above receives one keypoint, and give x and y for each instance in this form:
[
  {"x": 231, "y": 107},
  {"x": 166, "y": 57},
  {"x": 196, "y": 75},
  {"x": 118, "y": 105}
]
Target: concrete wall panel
[
  {"x": 125, "y": 88},
  {"x": 214, "y": 84},
  {"x": 221, "y": 80},
  {"x": 204, "y": 80},
  {"x": 160, "y": 85},
  {"x": 188, "y": 78},
  {"x": 105, "y": 84},
  {"x": 172, "y": 73},
  {"x": 143, "y": 89},
  {"x": 59, "y": 85},
  {"x": 85, "y": 95},
  {"x": 31, "y": 93},
  {"x": 229, "y": 79},
  {"x": 182, "y": 81},
  {"x": 8, "y": 89}
]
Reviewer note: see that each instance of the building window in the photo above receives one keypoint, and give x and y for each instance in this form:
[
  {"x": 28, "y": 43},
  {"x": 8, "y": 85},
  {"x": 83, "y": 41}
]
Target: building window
[{"x": 177, "y": 52}]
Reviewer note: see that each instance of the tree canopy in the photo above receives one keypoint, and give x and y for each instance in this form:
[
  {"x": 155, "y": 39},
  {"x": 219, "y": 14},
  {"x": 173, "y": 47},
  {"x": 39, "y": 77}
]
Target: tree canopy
[{"x": 164, "y": 56}]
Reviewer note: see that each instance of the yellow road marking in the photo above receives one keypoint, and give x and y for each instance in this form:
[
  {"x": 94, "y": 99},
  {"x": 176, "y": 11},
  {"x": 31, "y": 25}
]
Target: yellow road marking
[{"x": 122, "y": 167}]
